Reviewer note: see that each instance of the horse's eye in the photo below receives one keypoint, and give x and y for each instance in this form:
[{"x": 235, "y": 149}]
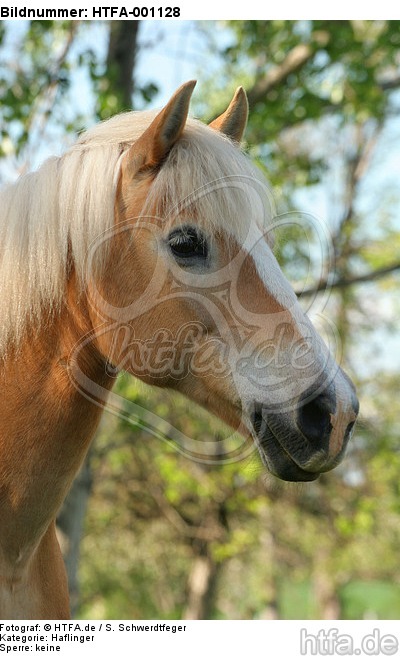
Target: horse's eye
[{"x": 187, "y": 244}]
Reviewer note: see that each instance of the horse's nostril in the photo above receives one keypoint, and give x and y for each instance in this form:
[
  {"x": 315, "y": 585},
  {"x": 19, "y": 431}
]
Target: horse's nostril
[
  {"x": 314, "y": 419},
  {"x": 348, "y": 430},
  {"x": 356, "y": 405}
]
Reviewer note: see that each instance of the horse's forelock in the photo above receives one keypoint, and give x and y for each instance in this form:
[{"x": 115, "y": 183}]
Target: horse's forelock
[{"x": 57, "y": 212}]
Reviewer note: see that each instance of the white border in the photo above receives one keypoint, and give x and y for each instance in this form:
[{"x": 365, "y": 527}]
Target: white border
[{"x": 228, "y": 10}]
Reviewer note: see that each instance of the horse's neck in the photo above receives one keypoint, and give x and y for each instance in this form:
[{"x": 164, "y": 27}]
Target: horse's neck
[{"x": 46, "y": 426}]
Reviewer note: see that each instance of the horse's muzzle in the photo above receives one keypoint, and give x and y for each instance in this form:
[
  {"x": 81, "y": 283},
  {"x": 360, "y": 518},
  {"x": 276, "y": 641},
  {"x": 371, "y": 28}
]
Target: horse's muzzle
[{"x": 301, "y": 445}]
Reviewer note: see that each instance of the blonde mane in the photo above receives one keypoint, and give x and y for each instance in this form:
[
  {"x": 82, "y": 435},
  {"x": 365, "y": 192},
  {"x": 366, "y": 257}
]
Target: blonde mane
[{"x": 50, "y": 217}]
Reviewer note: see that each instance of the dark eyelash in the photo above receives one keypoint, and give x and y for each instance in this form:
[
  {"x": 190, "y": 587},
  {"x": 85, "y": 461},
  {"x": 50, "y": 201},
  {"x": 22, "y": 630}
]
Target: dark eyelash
[{"x": 188, "y": 243}]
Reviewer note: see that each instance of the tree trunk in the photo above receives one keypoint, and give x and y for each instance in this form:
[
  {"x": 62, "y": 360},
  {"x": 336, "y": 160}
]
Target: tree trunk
[
  {"x": 201, "y": 586},
  {"x": 325, "y": 588},
  {"x": 70, "y": 527},
  {"x": 121, "y": 58},
  {"x": 268, "y": 544}
]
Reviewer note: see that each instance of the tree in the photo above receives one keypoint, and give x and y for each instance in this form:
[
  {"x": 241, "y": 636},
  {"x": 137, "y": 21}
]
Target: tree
[{"x": 322, "y": 124}]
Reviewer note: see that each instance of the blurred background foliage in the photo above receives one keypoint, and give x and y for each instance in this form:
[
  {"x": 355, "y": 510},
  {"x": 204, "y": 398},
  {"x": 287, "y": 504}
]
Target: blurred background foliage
[{"x": 146, "y": 531}]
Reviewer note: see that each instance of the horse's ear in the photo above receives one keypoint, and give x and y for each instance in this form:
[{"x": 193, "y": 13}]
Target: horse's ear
[
  {"x": 234, "y": 120},
  {"x": 157, "y": 140}
]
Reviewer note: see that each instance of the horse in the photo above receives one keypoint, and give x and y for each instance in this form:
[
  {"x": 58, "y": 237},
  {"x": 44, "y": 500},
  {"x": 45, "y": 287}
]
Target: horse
[{"x": 152, "y": 221}]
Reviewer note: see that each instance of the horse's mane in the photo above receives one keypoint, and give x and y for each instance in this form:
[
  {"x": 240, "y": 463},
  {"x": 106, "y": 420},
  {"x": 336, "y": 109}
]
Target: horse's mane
[{"x": 50, "y": 217}]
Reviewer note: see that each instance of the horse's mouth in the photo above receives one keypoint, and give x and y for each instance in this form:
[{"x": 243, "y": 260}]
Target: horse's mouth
[{"x": 274, "y": 455}]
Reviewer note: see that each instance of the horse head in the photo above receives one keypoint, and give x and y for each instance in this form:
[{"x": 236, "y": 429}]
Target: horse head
[{"x": 198, "y": 301}]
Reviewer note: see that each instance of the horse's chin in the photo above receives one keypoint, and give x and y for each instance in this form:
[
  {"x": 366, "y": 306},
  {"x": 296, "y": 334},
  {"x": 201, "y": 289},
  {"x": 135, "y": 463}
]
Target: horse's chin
[
  {"x": 280, "y": 464},
  {"x": 276, "y": 458}
]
